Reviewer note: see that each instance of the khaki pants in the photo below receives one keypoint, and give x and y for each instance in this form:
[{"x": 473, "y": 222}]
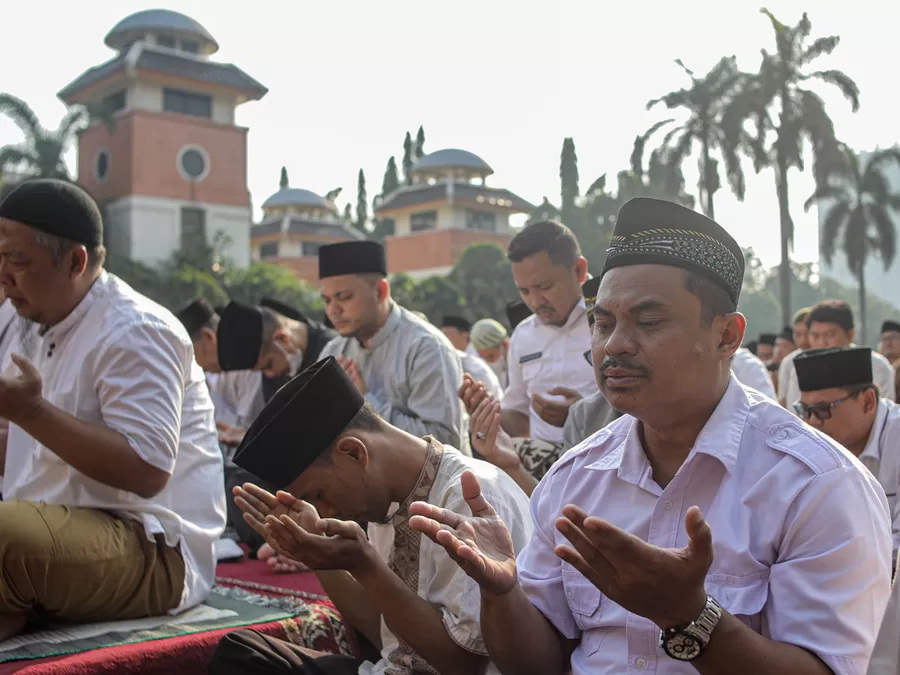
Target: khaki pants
[{"x": 82, "y": 564}]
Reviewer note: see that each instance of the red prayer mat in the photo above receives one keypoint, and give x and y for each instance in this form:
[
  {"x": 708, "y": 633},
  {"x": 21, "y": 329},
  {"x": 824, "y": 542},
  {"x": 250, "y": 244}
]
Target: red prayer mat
[{"x": 316, "y": 624}]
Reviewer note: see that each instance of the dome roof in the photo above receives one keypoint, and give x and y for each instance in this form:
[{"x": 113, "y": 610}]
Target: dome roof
[
  {"x": 135, "y": 25},
  {"x": 297, "y": 197},
  {"x": 453, "y": 158}
]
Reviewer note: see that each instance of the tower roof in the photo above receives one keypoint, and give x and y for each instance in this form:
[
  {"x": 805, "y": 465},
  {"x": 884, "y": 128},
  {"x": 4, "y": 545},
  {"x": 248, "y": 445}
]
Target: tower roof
[
  {"x": 452, "y": 158},
  {"x": 297, "y": 197},
  {"x": 136, "y": 25}
]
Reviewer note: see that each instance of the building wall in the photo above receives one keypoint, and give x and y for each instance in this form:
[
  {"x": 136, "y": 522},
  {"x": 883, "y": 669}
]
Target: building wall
[
  {"x": 448, "y": 217},
  {"x": 431, "y": 249},
  {"x": 148, "y": 229},
  {"x": 290, "y": 245},
  {"x": 305, "y": 269}
]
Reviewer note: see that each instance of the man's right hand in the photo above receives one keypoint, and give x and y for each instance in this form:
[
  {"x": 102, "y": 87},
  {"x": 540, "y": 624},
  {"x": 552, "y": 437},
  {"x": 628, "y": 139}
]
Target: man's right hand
[
  {"x": 472, "y": 393},
  {"x": 257, "y": 503},
  {"x": 480, "y": 544}
]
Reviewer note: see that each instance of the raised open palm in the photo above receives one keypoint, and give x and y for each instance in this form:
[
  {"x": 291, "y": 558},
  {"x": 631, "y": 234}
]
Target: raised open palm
[{"x": 480, "y": 544}]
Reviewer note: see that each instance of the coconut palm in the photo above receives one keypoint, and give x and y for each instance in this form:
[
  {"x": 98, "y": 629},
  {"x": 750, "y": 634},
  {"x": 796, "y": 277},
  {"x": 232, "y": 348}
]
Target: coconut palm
[
  {"x": 788, "y": 117},
  {"x": 705, "y": 101},
  {"x": 42, "y": 153},
  {"x": 860, "y": 209}
]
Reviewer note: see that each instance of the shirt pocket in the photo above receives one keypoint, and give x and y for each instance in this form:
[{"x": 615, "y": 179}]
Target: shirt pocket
[{"x": 586, "y": 603}]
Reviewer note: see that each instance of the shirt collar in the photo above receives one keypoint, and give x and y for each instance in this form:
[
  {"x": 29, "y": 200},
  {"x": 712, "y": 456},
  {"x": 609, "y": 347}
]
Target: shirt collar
[
  {"x": 873, "y": 445},
  {"x": 95, "y": 293},
  {"x": 720, "y": 437},
  {"x": 398, "y": 513},
  {"x": 385, "y": 332}
]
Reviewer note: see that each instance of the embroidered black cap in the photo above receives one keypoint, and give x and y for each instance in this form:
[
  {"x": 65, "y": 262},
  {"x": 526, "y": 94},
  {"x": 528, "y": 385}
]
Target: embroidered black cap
[{"x": 833, "y": 367}]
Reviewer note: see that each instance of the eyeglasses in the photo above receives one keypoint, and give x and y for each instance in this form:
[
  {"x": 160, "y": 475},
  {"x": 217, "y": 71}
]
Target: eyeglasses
[
  {"x": 589, "y": 357},
  {"x": 821, "y": 410}
]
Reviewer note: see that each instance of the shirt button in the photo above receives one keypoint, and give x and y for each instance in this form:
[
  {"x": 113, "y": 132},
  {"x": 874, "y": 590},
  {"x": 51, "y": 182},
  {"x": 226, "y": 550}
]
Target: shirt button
[
  {"x": 569, "y": 594},
  {"x": 640, "y": 664},
  {"x": 781, "y": 435},
  {"x": 667, "y": 505}
]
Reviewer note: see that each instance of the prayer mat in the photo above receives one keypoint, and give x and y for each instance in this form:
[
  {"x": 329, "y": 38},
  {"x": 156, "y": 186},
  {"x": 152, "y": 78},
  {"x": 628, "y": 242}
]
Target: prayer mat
[{"x": 288, "y": 606}]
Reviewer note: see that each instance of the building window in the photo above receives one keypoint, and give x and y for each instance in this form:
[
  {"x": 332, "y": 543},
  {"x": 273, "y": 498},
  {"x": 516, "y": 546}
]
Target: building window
[
  {"x": 187, "y": 103},
  {"x": 114, "y": 102},
  {"x": 167, "y": 41},
  {"x": 101, "y": 165},
  {"x": 311, "y": 248},
  {"x": 268, "y": 249},
  {"x": 193, "y": 230},
  {"x": 190, "y": 46},
  {"x": 193, "y": 163},
  {"x": 423, "y": 220},
  {"x": 388, "y": 226},
  {"x": 481, "y": 220}
]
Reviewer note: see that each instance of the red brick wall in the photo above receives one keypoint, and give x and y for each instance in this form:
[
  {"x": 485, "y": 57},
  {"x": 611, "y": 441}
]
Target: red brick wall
[{"x": 435, "y": 248}]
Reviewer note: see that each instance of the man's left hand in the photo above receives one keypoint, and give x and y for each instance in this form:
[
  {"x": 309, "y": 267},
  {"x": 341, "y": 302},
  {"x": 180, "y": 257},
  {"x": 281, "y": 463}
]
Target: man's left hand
[
  {"x": 353, "y": 372},
  {"x": 345, "y": 546},
  {"x": 666, "y": 586},
  {"x": 21, "y": 396},
  {"x": 553, "y": 412}
]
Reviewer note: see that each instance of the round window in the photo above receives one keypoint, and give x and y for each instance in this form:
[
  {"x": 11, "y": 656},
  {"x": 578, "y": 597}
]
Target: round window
[
  {"x": 101, "y": 165},
  {"x": 193, "y": 163}
]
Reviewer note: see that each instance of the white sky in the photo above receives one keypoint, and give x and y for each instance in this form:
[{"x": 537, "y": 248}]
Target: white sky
[{"x": 506, "y": 79}]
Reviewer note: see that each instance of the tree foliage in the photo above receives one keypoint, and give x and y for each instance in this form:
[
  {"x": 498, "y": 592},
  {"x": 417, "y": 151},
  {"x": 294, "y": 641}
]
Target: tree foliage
[
  {"x": 362, "y": 204},
  {"x": 283, "y": 181}
]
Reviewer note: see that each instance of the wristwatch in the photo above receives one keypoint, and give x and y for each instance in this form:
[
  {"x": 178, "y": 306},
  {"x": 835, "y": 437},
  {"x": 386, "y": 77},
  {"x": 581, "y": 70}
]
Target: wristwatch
[{"x": 687, "y": 642}]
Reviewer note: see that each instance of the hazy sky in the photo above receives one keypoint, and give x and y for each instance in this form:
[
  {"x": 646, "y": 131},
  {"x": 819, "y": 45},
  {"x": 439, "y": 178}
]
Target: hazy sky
[{"x": 506, "y": 79}]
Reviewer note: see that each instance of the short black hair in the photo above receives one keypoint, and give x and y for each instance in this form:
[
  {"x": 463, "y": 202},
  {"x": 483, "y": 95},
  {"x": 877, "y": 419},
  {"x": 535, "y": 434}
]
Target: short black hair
[
  {"x": 714, "y": 300},
  {"x": 59, "y": 246},
  {"x": 832, "y": 311},
  {"x": 550, "y": 236},
  {"x": 212, "y": 324},
  {"x": 272, "y": 321},
  {"x": 365, "y": 420}
]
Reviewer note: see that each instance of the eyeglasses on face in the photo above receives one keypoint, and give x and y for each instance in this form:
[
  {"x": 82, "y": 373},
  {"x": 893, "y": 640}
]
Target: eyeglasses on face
[
  {"x": 589, "y": 357},
  {"x": 822, "y": 411}
]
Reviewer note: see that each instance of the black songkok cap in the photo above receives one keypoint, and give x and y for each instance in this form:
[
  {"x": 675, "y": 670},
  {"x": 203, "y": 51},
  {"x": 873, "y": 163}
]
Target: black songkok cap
[
  {"x": 516, "y": 312},
  {"x": 352, "y": 257},
  {"x": 890, "y": 327},
  {"x": 458, "y": 322},
  {"x": 589, "y": 291},
  {"x": 299, "y": 423},
  {"x": 657, "y": 232},
  {"x": 767, "y": 339},
  {"x": 56, "y": 207},
  {"x": 240, "y": 337},
  {"x": 833, "y": 367},
  {"x": 283, "y": 309},
  {"x": 196, "y": 315},
  {"x": 219, "y": 309}
]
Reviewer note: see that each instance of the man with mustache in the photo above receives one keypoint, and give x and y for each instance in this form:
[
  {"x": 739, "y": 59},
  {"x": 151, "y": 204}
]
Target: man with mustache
[
  {"x": 708, "y": 529},
  {"x": 547, "y": 370}
]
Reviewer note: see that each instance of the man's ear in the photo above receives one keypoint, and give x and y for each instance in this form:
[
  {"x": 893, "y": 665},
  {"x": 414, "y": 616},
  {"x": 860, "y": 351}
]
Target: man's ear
[
  {"x": 78, "y": 261},
  {"x": 282, "y": 336},
  {"x": 581, "y": 269},
  {"x": 351, "y": 448},
  {"x": 383, "y": 290},
  {"x": 732, "y": 333}
]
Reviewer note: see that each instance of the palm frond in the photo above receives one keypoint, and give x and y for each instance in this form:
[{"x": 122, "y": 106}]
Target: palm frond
[
  {"x": 12, "y": 156},
  {"x": 803, "y": 28},
  {"x": 21, "y": 114},
  {"x": 819, "y": 47},
  {"x": 670, "y": 134},
  {"x": 834, "y": 221},
  {"x": 597, "y": 187},
  {"x": 835, "y": 192},
  {"x": 848, "y": 88},
  {"x": 74, "y": 120},
  {"x": 875, "y": 185},
  {"x": 685, "y": 68},
  {"x": 886, "y": 229},
  {"x": 856, "y": 241},
  {"x": 879, "y": 158},
  {"x": 734, "y": 172}
]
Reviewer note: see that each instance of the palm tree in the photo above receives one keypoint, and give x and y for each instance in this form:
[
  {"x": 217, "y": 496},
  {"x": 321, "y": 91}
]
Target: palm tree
[
  {"x": 782, "y": 108},
  {"x": 705, "y": 102},
  {"x": 860, "y": 204},
  {"x": 42, "y": 153}
]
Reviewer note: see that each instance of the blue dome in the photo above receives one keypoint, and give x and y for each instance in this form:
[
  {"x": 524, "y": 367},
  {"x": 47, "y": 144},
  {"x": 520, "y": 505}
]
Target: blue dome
[
  {"x": 297, "y": 197},
  {"x": 452, "y": 158},
  {"x": 134, "y": 26}
]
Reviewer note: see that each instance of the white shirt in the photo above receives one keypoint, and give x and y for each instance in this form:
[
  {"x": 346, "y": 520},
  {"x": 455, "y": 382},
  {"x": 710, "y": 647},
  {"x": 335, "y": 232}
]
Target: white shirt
[
  {"x": 751, "y": 372},
  {"x": 8, "y": 327},
  {"x": 542, "y": 357},
  {"x": 240, "y": 393},
  {"x": 122, "y": 361},
  {"x": 801, "y": 536},
  {"x": 481, "y": 372},
  {"x": 437, "y": 578},
  {"x": 788, "y": 391},
  {"x": 881, "y": 456},
  {"x": 882, "y": 373},
  {"x": 886, "y": 656}
]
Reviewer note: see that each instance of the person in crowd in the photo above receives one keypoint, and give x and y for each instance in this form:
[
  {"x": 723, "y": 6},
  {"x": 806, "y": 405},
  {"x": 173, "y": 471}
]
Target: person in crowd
[
  {"x": 752, "y": 372},
  {"x": 838, "y": 396},
  {"x": 752, "y": 347},
  {"x": 490, "y": 340},
  {"x": 889, "y": 347},
  {"x": 473, "y": 365},
  {"x": 547, "y": 370},
  {"x": 406, "y": 368},
  {"x": 688, "y": 535},
  {"x": 830, "y": 324},
  {"x": 113, "y": 487},
  {"x": 339, "y": 463},
  {"x": 765, "y": 349},
  {"x": 786, "y": 367},
  {"x": 516, "y": 312},
  {"x": 237, "y": 394},
  {"x": 784, "y": 345},
  {"x": 886, "y": 655},
  {"x": 457, "y": 330}
]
